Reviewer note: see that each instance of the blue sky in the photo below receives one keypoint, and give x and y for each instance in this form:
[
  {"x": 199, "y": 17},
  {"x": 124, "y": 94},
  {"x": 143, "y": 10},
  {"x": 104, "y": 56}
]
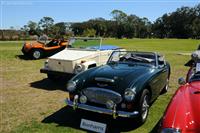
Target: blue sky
[{"x": 18, "y": 12}]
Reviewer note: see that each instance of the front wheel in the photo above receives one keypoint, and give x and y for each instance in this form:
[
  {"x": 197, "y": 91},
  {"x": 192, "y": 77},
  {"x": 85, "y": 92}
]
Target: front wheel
[
  {"x": 37, "y": 54},
  {"x": 144, "y": 106}
]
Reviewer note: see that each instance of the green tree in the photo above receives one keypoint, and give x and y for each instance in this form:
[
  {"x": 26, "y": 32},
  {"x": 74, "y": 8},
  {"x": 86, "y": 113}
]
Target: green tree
[
  {"x": 46, "y": 24},
  {"x": 196, "y": 28},
  {"x": 34, "y": 29},
  {"x": 120, "y": 19},
  {"x": 89, "y": 33}
]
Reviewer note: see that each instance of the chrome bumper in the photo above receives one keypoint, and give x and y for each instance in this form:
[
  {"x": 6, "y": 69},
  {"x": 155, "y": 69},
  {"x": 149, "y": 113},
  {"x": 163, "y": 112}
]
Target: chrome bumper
[
  {"x": 114, "y": 113},
  {"x": 47, "y": 71}
]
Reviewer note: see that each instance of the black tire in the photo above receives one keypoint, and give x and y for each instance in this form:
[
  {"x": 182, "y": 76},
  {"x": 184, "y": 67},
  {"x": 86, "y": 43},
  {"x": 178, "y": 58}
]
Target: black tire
[
  {"x": 37, "y": 54},
  {"x": 52, "y": 77},
  {"x": 166, "y": 87},
  {"x": 144, "y": 106}
]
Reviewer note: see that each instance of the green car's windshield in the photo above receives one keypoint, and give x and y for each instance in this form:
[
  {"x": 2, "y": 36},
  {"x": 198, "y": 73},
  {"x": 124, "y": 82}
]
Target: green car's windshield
[{"x": 131, "y": 57}]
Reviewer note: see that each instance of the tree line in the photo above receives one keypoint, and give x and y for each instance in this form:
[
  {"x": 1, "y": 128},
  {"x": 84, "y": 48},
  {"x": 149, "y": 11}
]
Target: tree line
[{"x": 182, "y": 23}]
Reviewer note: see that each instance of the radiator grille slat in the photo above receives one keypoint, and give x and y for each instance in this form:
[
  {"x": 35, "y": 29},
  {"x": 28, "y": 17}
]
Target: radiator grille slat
[{"x": 101, "y": 95}]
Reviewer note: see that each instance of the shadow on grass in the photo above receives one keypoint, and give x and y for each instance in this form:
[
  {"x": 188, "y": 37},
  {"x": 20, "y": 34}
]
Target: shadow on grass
[
  {"x": 50, "y": 85},
  {"x": 23, "y": 57},
  {"x": 67, "y": 117}
]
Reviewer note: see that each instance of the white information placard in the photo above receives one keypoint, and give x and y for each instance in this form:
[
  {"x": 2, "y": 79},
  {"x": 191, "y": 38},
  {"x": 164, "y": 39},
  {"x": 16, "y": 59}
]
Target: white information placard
[{"x": 93, "y": 126}]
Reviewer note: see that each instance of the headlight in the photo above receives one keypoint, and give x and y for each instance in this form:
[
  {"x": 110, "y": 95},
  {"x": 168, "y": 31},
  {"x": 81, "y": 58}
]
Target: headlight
[
  {"x": 129, "y": 95},
  {"x": 71, "y": 86},
  {"x": 170, "y": 130},
  {"x": 78, "y": 68},
  {"x": 83, "y": 99}
]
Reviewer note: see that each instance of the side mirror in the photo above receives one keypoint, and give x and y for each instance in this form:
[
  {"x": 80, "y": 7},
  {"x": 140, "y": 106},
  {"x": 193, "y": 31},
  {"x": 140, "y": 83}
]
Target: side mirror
[{"x": 181, "y": 81}]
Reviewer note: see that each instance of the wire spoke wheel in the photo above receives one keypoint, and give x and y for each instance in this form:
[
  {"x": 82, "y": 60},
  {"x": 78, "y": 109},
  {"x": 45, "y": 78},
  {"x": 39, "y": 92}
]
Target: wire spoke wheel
[{"x": 145, "y": 107}]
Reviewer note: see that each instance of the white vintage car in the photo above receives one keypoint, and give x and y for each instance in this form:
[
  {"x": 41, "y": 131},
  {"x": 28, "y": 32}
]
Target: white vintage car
[{"x": 72, "y": 61}]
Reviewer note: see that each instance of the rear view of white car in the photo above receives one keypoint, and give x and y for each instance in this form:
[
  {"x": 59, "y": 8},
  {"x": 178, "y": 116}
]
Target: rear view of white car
[{"x": 72, "y": 61}]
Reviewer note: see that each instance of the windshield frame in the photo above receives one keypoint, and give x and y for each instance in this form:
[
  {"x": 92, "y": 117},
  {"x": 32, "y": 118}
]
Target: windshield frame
[{"x": 137, "y": 63}]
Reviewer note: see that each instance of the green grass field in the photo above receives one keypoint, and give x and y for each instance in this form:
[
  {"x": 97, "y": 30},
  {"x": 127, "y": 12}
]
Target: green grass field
[{"x": 31, "y": 103}]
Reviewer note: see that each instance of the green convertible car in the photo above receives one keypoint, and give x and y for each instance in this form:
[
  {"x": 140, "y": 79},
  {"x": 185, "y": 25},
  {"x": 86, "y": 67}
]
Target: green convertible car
[{"x": 124, "y": 87}]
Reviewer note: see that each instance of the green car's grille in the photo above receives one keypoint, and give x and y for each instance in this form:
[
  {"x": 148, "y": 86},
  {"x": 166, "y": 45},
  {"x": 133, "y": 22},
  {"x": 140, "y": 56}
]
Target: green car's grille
[{"x": 101, "y": 95}]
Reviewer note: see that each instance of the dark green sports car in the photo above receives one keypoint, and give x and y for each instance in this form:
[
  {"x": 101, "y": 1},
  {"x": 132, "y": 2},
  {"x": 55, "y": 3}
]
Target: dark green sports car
[{"x": 124, "y": 87}]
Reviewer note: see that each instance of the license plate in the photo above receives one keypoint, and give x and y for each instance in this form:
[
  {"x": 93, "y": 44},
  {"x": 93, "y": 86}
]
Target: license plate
[{"x": 93, "y": 126}]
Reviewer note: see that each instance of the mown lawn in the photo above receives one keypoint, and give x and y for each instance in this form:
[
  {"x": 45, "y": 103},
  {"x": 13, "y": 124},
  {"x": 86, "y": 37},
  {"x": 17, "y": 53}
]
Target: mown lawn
[{"x": 31, "y": 103}]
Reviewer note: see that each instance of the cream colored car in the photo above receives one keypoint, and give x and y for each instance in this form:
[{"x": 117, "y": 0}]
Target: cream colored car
[{"x": 72, "y": 61}]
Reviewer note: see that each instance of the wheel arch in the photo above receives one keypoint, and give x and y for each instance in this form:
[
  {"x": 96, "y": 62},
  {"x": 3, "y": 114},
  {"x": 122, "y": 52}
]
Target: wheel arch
[
  {"x": 89, "y": 64},
  {"x": 92, "y": 65}
]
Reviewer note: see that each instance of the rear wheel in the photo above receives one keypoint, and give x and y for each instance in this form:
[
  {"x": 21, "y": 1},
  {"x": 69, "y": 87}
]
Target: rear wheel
[
  {"x": 144, "y": 106},
  {"x": 37, "y": 54}
]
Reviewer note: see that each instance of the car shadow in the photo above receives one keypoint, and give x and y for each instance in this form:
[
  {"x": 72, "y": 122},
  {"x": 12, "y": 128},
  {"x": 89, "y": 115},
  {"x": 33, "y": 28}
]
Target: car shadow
[
  {"x": 67, "y": 117},
  {"x": 50, "y": 85},
  {"x": 22, "y": 57}
]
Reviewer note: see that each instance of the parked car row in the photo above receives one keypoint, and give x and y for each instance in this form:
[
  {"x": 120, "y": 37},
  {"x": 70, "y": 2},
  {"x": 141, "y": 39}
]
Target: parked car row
[{"x": 110, "y": 80}]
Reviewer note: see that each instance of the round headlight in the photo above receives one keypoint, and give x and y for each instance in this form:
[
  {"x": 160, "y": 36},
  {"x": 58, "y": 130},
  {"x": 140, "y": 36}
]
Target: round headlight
[
  {"x": 71, "y": 86},
  {"x": 78, "y": 68},
  {"x": 129, "y": 95},
  {"x": 83, "y": 99}
]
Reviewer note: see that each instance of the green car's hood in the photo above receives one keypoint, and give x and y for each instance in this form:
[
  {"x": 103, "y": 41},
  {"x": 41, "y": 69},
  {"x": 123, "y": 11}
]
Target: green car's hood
[{"x": 123, "y": 75}]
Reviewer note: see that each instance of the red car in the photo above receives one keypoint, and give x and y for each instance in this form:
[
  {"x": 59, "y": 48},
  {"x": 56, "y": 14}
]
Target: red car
[{"x": 183, "y": 112}]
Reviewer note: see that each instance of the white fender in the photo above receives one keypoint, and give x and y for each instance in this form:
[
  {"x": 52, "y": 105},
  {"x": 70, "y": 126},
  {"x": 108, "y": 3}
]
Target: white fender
[{"x": 88, "y": 63}]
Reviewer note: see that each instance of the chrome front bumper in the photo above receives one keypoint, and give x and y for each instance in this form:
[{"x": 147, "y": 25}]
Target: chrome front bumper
[{"x": 113, "y": 112}]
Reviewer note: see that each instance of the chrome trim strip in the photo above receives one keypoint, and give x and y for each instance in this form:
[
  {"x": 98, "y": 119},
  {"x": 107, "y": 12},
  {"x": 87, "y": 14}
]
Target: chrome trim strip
[
  {"x": 102, "y": 110},
  {"x": 104, "y": 79}
]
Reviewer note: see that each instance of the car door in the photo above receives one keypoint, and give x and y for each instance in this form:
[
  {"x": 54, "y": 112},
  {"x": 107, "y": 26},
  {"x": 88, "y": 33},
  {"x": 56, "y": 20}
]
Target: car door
[
  {"x": 160, "y": 77},
  {"x": 163, "y": 72}
]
